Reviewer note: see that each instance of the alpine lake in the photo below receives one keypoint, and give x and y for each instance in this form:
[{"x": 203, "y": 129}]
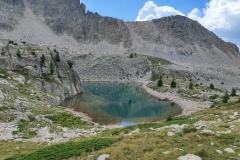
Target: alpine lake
[{"x": 110, "y": 103}]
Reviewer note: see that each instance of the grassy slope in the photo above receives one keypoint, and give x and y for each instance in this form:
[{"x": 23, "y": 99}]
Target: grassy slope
[
  {"x": 149, "y": 144},
  {"x": 65, "y": 150}
]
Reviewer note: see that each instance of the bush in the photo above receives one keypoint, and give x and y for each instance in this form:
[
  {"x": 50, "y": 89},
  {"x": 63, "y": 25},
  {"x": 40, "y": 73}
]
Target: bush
[
  {"x": 132, "y": 55},
  {"x": 189, "y": 130},
  {"x": 202, "y": 153},
  {"x": 51, "y": 66},
  {"x": 70, "y": 63},
  {"x": 12, "y": 42},
  {"x": 160, "y": 82},
  {"x": 169, "y": 118},
  {"x": 173, "y": 84},
  {"x": 238, "y": 101},
  {"x": 66, "y": 150},
  {"x": 42, "y": 60},
  {"x": 190, "y": 86},
  {"x": 57, "y": 57},
  {"x": 19, "y": 54},
  {"x": 68, "y": 120},
  {"x": 225, "y": 98},
  {"x": 211, "y": 86},
  {"x": 2, "y": 52},
  {"x": 213, "y": 96},
  {"x": 233, "y": 92}
]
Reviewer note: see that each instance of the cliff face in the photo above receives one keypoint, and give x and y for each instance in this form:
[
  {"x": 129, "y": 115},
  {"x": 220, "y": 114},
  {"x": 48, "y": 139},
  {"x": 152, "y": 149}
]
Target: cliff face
[
  {"x": 11, "y": 12},
  {"x": 69, "y": 17},
  {"x": 179, "y": 32},
  {"x": 175, "y": 38},
  {"x": 56, "y": 78}
]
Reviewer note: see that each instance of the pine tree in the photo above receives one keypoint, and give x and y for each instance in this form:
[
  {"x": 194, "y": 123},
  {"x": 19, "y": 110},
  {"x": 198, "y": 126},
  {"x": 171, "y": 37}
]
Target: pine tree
[
  {"x": 160, "y": 82},
  {"x": 42, "y": 60},
  {"x": 225, "y": 98},
  {"x": 57, "y": 57},
  {"x": 233, "y": 92},
  {"x": 190, "y": 86},
  {"x": 51, "y": 66},
  {"x": 211, "y": 86},
  {"x": 70, "y": 63},
  {"x": 173, "y": 84}
]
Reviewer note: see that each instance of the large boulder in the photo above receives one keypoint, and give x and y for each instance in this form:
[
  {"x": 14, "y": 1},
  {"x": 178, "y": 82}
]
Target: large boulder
[
  {"x": 104, "y": 157},
  {"x": 189, "y": 157}
]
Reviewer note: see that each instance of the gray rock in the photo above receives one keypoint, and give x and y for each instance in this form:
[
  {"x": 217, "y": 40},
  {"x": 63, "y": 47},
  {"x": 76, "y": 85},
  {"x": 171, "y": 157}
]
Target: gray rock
[
  {"x": 19, "y": 78},
  {"x": 170, "y": 134},
  {"x": 229, "y": 150},
  {"x": 232, "y": 117},
  {"x": 189, "y": 157},
  {"x": 104, "y": 157},
  {"x": 207, "y": 131},
  {"x": 235, "y": 114},
  {"x": 218, "y": 151},
  {"x": 53, "y": 100},
  {"x": 166, "y": 152},
  {"x": 201, "y": 125},
  {"x": 1, "y": 95}
]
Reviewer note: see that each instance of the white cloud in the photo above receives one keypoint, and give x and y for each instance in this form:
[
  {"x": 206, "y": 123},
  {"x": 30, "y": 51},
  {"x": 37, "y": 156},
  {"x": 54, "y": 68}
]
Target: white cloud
[
  {"x": 220, "y": 16},
  {"x": 151, "y": 11}
]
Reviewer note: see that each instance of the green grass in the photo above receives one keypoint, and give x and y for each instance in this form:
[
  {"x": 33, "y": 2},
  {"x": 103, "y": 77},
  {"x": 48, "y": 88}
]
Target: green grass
[
  {"x": 146, "y": 126},
  {"x": 23, "y": 129},
  {"x": 24, "y": 72},
  {"x": 4, "y": 72},
  {"x": 3, "y": 108},
  {"x": 156, "y": 60},
  {"x": 66, "y": 150},
  {"x": 68, "y": 120}
]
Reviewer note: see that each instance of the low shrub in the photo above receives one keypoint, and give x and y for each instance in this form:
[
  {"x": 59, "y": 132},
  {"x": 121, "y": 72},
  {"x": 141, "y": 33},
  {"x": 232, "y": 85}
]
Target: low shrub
[
  {"x": 189, "y": 130},
  {"x": 66, "y": 150}
]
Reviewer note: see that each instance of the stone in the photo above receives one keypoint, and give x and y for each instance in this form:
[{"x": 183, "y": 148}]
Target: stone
[
  {"x": 170, "y": 134},
  {"x": 232, "y": 117},
  {"x": 6, "y": 130},
  {"x": 229, "y": 150},
  {"x": 1, "y": 95},
  {"x": 207, "y": 131},
  {"x": 177, "y": 128},
  {"x": 218, "y": 151},
  {"x": 166, "y": 152},
  {"x": 232, "y": 127},
  {"x": 200, "y": 125},
  {"x": 104, "y": 157},
  {"x": 235, "y": 114},
  {"x": 19, "y": 78},
  {"x": 189, "y": 157},
  {"x": 224, "y": 132},
  {"x": 2, "y": 76}
]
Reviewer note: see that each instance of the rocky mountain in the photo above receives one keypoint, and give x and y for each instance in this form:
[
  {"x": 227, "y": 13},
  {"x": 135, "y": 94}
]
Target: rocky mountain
[
  {"x": 100, "y": 46},
  {"x": 32, "y": 65}
]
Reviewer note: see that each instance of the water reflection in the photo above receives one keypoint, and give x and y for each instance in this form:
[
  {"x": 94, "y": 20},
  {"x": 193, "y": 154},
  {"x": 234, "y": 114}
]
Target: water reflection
[{"x": 120, "y": 103}]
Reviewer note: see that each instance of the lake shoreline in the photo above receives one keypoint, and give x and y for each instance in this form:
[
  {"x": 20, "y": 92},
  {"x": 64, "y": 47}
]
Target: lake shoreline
[{"x": 188, "y": 107}]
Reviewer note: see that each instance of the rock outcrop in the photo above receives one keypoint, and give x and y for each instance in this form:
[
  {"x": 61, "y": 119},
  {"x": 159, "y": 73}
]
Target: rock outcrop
[
  {"x": 55, "y": 77},
  {"x": 11, "y": 12}
]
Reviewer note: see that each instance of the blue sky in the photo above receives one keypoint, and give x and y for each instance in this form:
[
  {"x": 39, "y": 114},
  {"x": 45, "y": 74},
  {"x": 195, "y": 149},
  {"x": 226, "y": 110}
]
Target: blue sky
[
  {"x": 128, "y": 9},
  {"x": 220, "y": 16}
]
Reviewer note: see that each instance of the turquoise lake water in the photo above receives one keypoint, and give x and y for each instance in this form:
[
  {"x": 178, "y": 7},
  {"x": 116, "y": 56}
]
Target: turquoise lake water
[{"x": 120, "y": 103}]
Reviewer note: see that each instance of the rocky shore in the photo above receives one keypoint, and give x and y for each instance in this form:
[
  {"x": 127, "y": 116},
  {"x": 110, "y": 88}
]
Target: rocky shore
[{"x": 188, "y": 106}]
